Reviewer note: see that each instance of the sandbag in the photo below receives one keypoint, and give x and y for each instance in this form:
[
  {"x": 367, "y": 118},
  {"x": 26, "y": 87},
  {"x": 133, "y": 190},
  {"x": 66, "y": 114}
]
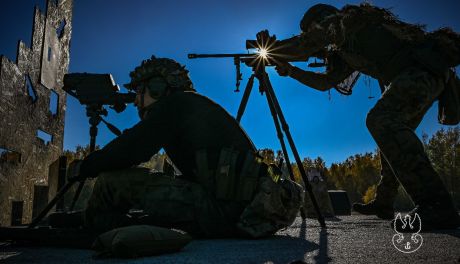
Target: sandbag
[{"x": 139, "y": 240}]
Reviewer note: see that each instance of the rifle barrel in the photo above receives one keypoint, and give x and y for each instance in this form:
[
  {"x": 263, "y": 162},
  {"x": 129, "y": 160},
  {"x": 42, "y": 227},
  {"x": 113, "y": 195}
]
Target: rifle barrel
[{"x": 225, "y": 55}]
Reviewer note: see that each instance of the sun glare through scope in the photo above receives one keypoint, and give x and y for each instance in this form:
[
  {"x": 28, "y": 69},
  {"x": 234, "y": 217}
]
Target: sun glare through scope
[{"x": 263, "y": 53}]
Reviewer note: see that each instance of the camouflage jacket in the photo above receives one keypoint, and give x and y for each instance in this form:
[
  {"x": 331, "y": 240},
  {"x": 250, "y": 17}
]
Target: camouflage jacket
[
  {"x": 183, "y": 124},
  {"x": 372, "y": 41}
]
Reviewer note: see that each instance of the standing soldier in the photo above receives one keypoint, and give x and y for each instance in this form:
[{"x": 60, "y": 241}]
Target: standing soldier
[{"x": 414, "y": 70}]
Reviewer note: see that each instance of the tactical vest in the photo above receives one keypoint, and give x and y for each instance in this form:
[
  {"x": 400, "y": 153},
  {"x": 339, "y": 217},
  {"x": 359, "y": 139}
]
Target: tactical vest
[
  {"x": 398, "y": 46},
  {"x": 377, "y": 36},
  {"x": 272, "y": 202},
  {"x": 375, "y": 43},
  {"x": 226, "y": 182}
]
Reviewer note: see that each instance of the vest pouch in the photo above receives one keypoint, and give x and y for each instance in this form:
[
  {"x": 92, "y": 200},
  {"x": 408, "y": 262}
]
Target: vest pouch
[
  {"x": 249, "y": 176},
  {"x": 431, "y": 60},
  {"x": 225, "y": 174},
  {"x": 205, "y": 176}
]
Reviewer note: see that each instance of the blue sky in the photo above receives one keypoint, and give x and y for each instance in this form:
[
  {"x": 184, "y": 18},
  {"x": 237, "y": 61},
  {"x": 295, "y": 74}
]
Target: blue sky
[{"x": 115, "y": 36}]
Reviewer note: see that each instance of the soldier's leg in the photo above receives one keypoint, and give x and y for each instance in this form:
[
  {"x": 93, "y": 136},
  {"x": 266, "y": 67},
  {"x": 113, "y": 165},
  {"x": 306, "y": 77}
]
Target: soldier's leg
[
  {"x": 386, "y": 192},
  {"x": 186, "y": 205},
  {"x": 387, "y": 189},
  {"x": 392, "y": 122},
  {"x": 168, "y": 202},
  {"x": 114, "y": 194}
]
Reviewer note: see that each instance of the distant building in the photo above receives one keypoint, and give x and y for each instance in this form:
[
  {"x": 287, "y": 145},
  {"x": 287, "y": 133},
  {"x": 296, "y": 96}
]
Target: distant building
[
  {"x": 319, "y": 188},
  {"x": 32, "y": 109}
]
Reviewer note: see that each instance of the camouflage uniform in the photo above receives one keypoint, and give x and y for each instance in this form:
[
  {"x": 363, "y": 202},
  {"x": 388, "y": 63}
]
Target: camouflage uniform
[
  {"x": 371, "y": 41},
  {"x": 193, "y": 131},
  {"x": 224, "y": 190},
  {"x": 167, "y": 202},
  {"x": 387, "y": 188},
  {"x": 392, "y": 122}
]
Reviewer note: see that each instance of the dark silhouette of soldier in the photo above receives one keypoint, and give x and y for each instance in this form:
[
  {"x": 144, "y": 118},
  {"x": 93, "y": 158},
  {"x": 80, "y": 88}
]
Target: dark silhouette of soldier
[
  {"x": 414, "y": 70},
  {"x": 221, "y": 173}
]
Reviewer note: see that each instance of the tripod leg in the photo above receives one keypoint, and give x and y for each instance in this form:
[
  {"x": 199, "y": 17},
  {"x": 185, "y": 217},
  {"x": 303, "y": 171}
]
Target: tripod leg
[
  {"x": 283, "y": 146},
  {"x": 50, "y": 205},
  {"x": 279, "y": 134},
  {"x": 269, "y": 90},
  {"x": 92, "y": 147},
  {"x": 244, "y": 100}
]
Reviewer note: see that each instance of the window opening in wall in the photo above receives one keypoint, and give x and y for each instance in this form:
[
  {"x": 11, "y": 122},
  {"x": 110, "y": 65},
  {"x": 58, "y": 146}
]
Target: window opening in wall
[
  {"x": 30, "y": 89},
  {"x": 44, "y": 137},
  {"x": 49, "y": 53},
  {"x": 60, "y": 29},
  {"x": 54, "y": 103},
  {"x": 9, "y": 157}
]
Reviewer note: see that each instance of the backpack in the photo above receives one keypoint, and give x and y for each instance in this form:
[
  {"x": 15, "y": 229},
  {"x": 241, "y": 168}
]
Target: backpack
[{"x": 447, "y": 43}]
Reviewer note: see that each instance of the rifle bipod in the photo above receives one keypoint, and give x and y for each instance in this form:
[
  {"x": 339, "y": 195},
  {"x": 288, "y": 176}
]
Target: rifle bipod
[{"x": 281, "y": 126}]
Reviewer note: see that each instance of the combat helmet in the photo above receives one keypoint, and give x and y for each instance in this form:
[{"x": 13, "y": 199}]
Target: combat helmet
[
  {"x": 316, "y": 13},
  {"x": 160, "y": 76}
]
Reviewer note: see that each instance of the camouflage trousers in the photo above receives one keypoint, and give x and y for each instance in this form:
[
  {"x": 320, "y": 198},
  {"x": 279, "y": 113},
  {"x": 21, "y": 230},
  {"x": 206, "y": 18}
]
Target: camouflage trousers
[
  {"x": 392, "y": 122},
  {"x": 168, "y": 202}
]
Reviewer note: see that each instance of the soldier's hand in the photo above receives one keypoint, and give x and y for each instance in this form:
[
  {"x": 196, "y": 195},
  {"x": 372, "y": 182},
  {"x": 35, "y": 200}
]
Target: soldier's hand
[
  {"x": 264, "y": 38},
  {"x": 283, "y": 67},
  {"x": 73, "y": 171}
]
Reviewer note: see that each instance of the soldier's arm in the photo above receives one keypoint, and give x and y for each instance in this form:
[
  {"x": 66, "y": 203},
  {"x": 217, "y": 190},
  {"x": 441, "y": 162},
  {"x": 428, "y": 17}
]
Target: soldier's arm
[
  {"x": 136, "y": 145},
  {"x": 335, "y": 74}
]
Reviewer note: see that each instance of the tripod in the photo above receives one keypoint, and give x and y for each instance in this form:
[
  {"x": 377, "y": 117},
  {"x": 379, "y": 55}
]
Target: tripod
[
  {"x": 95, "y": 113},
  {"x": 281, "y": 126}
]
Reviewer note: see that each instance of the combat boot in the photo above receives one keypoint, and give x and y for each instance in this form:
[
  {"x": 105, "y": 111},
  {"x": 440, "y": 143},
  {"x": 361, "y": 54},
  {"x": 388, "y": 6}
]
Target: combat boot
[{"x": 374, "y": 208}]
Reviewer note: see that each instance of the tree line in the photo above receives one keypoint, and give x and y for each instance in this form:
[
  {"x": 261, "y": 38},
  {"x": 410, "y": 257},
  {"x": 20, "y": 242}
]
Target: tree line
[{"x": 359, "y": 174}]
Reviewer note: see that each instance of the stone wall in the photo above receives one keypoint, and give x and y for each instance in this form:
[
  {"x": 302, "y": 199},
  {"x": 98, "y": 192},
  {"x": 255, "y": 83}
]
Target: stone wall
[{"x": 32, "y": 108}]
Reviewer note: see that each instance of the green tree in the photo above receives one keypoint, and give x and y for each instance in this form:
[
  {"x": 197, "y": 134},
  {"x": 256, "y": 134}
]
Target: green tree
[
  {"x": 370, "y": 193},
  {"x": 355, "y": 175},
  {"x": 443, "y": 149}
]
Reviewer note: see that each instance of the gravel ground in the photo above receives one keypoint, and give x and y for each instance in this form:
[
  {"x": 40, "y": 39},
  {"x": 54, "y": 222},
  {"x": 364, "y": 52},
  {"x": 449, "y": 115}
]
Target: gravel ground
[{"x": 347, "y": 239}]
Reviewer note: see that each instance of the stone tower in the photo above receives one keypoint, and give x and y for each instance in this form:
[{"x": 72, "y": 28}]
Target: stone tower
[{"x": 32, "y": 108}]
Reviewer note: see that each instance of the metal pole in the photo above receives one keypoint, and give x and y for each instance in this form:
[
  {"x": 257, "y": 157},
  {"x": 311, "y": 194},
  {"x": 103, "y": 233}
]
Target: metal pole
[
  {"x": 279, "y": 134},
  {"x": 92, "y": 147},
  {"x": 244, "y": 100}
]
